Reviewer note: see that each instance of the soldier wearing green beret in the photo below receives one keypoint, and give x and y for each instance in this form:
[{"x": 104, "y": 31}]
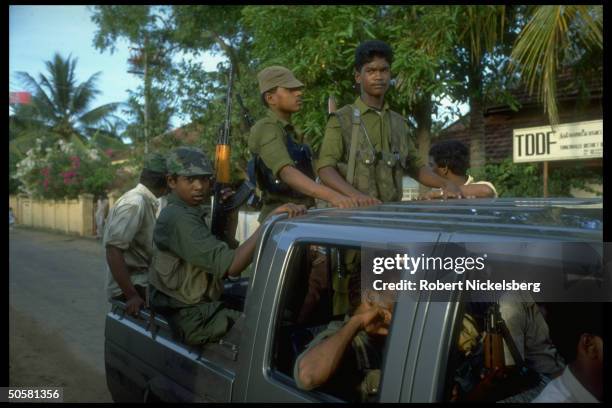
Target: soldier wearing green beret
[
  {"x": 128, "y": 235},
  {"x": 283, "y": 164},
  {"x": 367, "y": 148},
  {"x": 189, "y": 261}
]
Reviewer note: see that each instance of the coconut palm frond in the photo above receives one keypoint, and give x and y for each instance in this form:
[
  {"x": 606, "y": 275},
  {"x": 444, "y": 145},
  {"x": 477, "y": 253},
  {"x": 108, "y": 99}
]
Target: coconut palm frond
[
  {"x": 60, "y": 102},
  {"x": 98, "y": 114},
  {"x": 84, "y": 94},
  {"x": 540, "y": 45}
]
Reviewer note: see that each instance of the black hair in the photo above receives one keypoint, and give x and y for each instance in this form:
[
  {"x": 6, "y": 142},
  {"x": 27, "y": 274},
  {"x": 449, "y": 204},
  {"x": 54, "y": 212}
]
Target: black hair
[
  {"x": 263, "y": 96},
  {"x": 152, "y": 179},
  {"x": 368, "y": 50},
  {"x": 452, "y": 154},
  {"x": 569, "y": 321}
]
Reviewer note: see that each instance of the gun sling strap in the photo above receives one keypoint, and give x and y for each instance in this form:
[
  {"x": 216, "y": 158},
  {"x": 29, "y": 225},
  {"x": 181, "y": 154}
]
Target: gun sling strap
[{"x": 355, "y": 120}]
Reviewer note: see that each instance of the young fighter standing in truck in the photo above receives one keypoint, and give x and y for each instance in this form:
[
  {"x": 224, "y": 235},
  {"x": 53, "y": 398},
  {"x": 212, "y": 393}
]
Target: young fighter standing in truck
[
  {"x": 381, "y": 140},
  {"x": 284, "y": 165},
  {"x": 189, "y": 262},
  {"x": 367, "y": 148}
]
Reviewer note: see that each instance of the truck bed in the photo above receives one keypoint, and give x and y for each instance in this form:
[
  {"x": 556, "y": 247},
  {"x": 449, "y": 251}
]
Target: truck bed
[{"x": 145, "y": 363}]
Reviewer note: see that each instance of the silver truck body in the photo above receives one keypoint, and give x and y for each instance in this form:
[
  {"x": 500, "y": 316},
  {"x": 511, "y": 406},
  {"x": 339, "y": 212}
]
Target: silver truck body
[{"x": 143, "y": 362}]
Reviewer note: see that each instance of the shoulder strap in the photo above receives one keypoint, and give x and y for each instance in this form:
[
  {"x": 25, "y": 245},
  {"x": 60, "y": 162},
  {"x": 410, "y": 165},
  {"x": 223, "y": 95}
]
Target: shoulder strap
[
  {"x": 355, "y": 120},
  {"x": 397, "y": 122}
]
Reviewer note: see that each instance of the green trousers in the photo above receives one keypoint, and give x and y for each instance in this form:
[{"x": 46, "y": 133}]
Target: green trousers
[{"x": 194, "y": 324}]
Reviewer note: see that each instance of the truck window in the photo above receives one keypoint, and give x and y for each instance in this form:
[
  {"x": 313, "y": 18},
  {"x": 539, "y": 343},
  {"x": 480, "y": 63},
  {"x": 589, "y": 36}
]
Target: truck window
[
  {"x": 307, "y": 319},
  {"x": 479, "y": 346}
]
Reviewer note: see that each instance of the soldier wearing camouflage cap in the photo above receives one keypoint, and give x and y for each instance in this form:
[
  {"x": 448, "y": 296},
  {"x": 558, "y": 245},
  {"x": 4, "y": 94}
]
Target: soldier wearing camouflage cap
[
  {"x": 128, "y": 235},
  {"x": 188, "y": 161},
  {"x": 283, "y": 163},
  {"x": 190, "y": 262}
]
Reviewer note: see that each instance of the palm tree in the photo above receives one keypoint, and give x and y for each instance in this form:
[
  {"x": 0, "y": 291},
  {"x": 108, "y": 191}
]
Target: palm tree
[
  {"x": 60, "y": 106},
  {"x": 551, "y": 35}
]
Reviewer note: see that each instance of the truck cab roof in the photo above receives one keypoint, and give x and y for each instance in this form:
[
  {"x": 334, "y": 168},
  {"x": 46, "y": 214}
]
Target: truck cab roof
[{"x": 569, "y": 218}]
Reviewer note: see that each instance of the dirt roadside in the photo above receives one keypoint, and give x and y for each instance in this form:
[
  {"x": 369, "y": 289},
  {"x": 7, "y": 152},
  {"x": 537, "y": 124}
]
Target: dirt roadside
[{"x": 38, "y": 358}]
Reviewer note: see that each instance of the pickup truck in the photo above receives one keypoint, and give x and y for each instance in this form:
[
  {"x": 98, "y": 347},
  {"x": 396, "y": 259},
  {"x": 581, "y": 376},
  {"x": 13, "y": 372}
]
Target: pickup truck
[{"x": 254, "y": 361}]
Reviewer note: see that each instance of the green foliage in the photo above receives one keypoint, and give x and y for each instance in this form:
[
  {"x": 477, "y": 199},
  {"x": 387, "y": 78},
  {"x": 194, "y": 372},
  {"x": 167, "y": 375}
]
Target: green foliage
[
  {"x": 160, "y": 113},
  {"x": 149, "y": 31},
  {"x": 526, "y": 179},
  {"x": 456, "y": 52},
  {"x": 553, "y": 35},
  {"x": 130, "y": 23},
  {"x": 14, "y": 184},
  {"x": 61, "y": 170},
  {"x": 320, "y": 49}
]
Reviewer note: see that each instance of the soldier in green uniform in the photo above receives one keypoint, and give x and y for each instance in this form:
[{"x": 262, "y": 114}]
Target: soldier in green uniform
[
  {"x": 283, "y": 164},
  {"x": 345, "y": 359},
  {"x": 381, "y": 139},
  {"x": 189, "y": 262},
  {"x": 367, "y": 148}
]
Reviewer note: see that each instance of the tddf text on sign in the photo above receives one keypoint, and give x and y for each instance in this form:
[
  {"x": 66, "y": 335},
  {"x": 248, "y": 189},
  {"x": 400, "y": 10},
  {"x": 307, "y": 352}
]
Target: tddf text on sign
[{"x": 569, "y": 141}]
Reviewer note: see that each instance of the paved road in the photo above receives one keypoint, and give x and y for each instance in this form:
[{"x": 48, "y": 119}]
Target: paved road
[{"x": 56, "y": 313}]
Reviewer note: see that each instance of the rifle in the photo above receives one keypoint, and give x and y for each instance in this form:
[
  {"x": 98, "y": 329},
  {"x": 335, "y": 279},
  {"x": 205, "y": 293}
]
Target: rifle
[
  {"x": 516, "y": 379},
  {"x": 222, "y": 210},
  {"x": 246, "y": 116},
  {"x": 253, "y": 200},
  {"x": 494, "y": 341}
]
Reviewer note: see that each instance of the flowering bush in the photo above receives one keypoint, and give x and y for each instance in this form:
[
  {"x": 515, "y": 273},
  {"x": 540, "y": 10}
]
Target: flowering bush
[{"x": 64, "y": 171}]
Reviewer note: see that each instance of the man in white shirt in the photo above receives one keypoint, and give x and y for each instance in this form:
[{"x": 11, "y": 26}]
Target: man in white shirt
[
  {"x": 530, "y": 333},
  {"x": 451, "y": 159},
  {"x": 128, "y": 235},
  {"x": 582, "y": 379}
]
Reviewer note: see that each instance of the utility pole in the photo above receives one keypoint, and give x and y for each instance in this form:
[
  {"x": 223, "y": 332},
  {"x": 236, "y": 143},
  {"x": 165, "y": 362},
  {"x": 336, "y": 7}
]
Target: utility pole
[
  {"x": 142, "y": 59},
  {"x": 147, "y": 86}
]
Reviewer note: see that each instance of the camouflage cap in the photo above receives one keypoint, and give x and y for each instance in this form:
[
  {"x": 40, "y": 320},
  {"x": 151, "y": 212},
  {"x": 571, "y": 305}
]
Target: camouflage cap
[
  {"x": 188, "y": 161},
  {"x": 276, "y": 75},
  {"x": 155, "y": 162}
]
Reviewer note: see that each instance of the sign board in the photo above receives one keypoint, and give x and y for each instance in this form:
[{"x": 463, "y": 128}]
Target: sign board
[{"x": 570, "y": 141}]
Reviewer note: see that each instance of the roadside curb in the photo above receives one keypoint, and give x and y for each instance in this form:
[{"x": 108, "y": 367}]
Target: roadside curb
[{"x": 52, "y": 231}]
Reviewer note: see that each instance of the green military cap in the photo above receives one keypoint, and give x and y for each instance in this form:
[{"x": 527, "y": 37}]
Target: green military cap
[
  {"x": 155, "y": 162},
  {"x": 276, "y": 75},
  {"x": 188, "y": 161}
]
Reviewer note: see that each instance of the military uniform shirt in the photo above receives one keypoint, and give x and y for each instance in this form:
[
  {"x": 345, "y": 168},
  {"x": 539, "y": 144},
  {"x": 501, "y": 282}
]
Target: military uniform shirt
[
  {"x": 182, "y": 230},
  {"x": 378, "y": 128},
  {"x": 358, "y": 374},
  {"x": 129, "y": 227},
  {"x": 267, "y": 140}
]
